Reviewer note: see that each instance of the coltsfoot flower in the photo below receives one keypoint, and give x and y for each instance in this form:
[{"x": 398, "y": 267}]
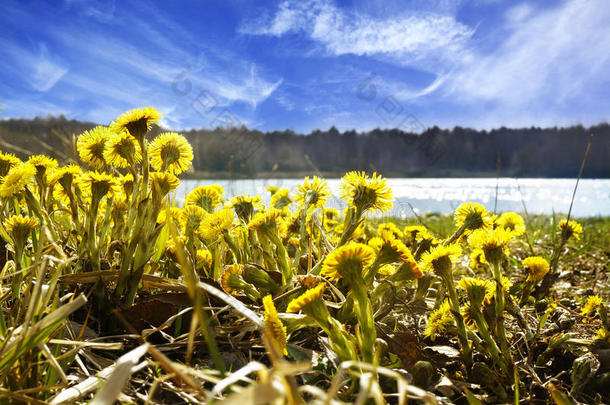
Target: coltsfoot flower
[
  {"x": 19, "y": 227},
  {"x": 170, "y": 152},
  {"x": 312, "y": 194},
  {"x": 91, "y": 145},
  {"x": 592, "y": 303},
  {"x": 570, "y": 229},
  {"x": 274, "y": 325},
  {"x": 536, "y": 267},
  {"x": 136, "y": 122},
  {"x": 439, "y": 259},
  {"x": 7, "y": 162},
  {"x": 439, "y": 321},
  {"x": 512, "y": 222},
  {"x": 206, "y": 197},
  {"x": 472, "y": 216},
  {"x": 306, "y": 298},
  {"x": 353, "y": 257},
  {"x": 366, "y": 193},
  {"x": 17, "y": 179},
  {"x": 122, "y": 150},
  {"x": 491, "y": 241},
  {"x": 214, "y": 224}
]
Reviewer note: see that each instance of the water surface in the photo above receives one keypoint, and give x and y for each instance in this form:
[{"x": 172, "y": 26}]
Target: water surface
[{"x": 537, "y": 196}]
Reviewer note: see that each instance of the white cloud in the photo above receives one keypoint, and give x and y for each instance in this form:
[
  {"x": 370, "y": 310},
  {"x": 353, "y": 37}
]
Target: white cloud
[
  {"x": 551, "y": 56},
  {"x": 409, "y": 38}
]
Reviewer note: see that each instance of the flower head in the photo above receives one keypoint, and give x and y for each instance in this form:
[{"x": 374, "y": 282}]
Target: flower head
[
  {"x": 7, "y": 162},
  {"x": 346, "y": 260},
  {"x": 265, "y": 219},
  {"x": 390, "y": 227},
  {"x": 472, "y": 216},
  {"x": 440, "y": 258},
  {"x": 122, "y": 150},
  {"x": 91, "y": 145},
  {"x": 476, "y": 289},
  {"x": 66, "y": 177},
  {"x": 438, "y": 321},
  {"x": 170, "y": 152},
  {"x": 137, "y": 122},
  {"x": 570, "y": 229},
  {"x": 43, "y": 164},
  {"x": 231, "y": 279},
  {"x": 206, "y": 197},
  {"x": 274, "y": 325},
  {"x": 312, "y": 194},
  {"x": 592, "y": 303},
  {"x": 491, "y": 241},
  {"x": 17, "y": 179},
  {"x": 306, "y": 298},
  {"x": 163, "y": 183},
  {"x": 214, "y": 224},
  {"x": 19, "y": 227},
  {"x": 536, "y": 267},
  {"x": 512, "y": 222},
  {"x": 192, "y": 216},
  {"x": 174, "y": 213},
  {"x": 366, "y": 193},
  {"x": 281, "y": 199},
  {"x": 244, "y": 206},
  {"x": 100, "y": 184}
]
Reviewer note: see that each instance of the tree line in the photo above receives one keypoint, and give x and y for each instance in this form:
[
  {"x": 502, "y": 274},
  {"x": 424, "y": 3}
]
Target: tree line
[{"x": 457, "y": 152}]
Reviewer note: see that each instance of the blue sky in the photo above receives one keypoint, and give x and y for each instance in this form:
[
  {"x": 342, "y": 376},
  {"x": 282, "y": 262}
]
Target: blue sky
[{"x": 307, "y": 64}]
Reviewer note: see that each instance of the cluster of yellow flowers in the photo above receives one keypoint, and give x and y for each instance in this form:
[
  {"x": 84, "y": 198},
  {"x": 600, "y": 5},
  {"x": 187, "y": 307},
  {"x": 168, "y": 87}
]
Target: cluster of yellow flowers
[{"x": 283, "y": 257}]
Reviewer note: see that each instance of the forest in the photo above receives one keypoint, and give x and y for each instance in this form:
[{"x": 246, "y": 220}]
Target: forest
[{"x": 436, "y": 152}]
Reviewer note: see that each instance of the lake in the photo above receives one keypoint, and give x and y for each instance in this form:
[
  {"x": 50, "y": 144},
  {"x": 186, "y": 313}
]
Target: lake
[{"x": 537, "y": 196}]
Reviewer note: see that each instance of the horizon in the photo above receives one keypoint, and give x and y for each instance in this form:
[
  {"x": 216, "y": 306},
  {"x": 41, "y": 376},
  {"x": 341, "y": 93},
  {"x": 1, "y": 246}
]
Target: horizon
[
  {"x": 309, "y": 132},
  {"x": 302, "y": 66}
]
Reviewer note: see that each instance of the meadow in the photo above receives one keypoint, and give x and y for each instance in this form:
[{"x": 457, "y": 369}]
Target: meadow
[{"x": 109, "y": 292}]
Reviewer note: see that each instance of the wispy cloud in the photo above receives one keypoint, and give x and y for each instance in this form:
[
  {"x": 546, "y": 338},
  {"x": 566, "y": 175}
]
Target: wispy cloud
[{"x": 407, "y": 38}]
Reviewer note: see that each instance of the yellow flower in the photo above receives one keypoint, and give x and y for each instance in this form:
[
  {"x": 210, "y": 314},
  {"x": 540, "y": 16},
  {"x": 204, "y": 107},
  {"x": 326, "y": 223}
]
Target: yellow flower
[
  {"x": 472, "y": 216},
  {"x": 440, "y": 258},
  {"x": 175, "y": 214},
  {"x": 468, "y": 315},
  {"x": 477, "y": 259},
  {"x": 244, "y": 206},
  {"x": 591, "y": 305},
  {"x": 312, "y": 194},
  {"x": 413, "y": 230},
  {"x": 215, "y": 223},
  {"x": 192, "y": 216},
  {"x": 366, "y": 193},
  {"x": 272, "y": 189},
  {"x": 281, "y": 199},
  {"x": 512, "y": 222},
  {"x": 127, "y": 183},
  {"x": 536, "y": 267},
  {"x": 604, "y": 335},
  {"x": 477, "y": 289},
  {"x": 163, "y": 183},
  {"x": 438, "y": 321},
  {"x": 309, "y": 281},
  {"x": 66, "y": 177},
  {"x": 394, "y": 250},
  {"x": 7, "y": 162},
  {"x": 122, "y": 150},
  {"x": 264, "y": 219},
  {"x": 231, "y": 279},
  {"x": 206, "y": 197},
  {"x": 274, "y": 325},
  {"x": 43, "y": 164},
  {"x": 91, "y": 145},
  {"x": 20, "y": 227},
  {"x": 346, "y": 259},
  {"x": 137, "y": 122},
  {"x": 17, "y": 179},
  {"x": 170, "y": 152},
  {"x": 306, "y": 298},
  {"x": 386, "y": 270},
  {"x": 100, "y": 184},
  {"x": 491, "y": 241},
  {"x": 391, "y": 227},
  {"x": 570, "y": 229},
  {"x": 204, "y": 259}
]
